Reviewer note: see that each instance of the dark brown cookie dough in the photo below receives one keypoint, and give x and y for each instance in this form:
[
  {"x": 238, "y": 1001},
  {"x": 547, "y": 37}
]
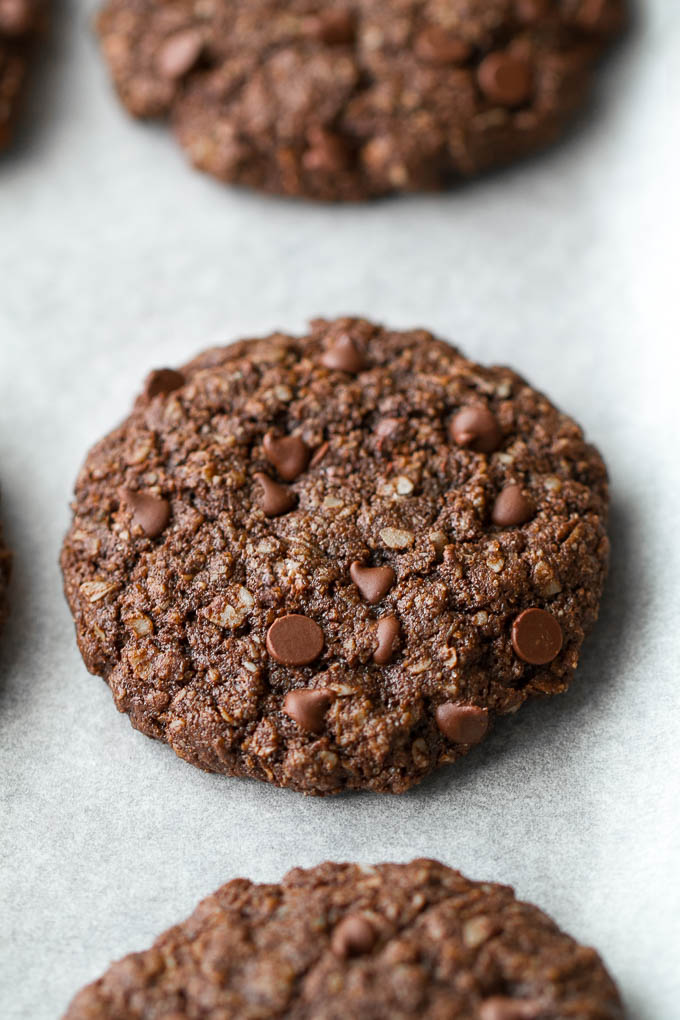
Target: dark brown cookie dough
[
  {"x": 340, "y": 941},
  {"x": 330, "y": 561},
  {"x": 352, "y": 100},
  {"x": 20, "y": 21}
]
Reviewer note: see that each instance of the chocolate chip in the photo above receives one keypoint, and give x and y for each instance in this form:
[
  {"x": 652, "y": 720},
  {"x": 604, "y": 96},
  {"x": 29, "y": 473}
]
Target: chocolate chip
[
  {"x": 373, "y": 582},
  {"x": 529, "y": 11},
  {"x": 289, "y": 455},
  {"x": 276, "y": 499},
  {"x": 335, "y": 28},
  {"x": 308, "y": 708},
  {"x": 499, "y": 1007},
  {"x": 462, "y": 724},
  {"x": 16, "y": 16},
  {"x": 505, "y": 79},
  {"x": 149, "y": 512},
  {"x": 512, "y": 507},
  {"x": 354, "y": 936},
  {"x": 328, "y": 152},
  {"x": 295, "y": 640},
  {"x": 436, "y": 45},
  {"x": 344, "y": 355},
  {"x": 536, "y": 637},
  {"x": 388, "y": 632},
  {"x": 162, "y": 380},
  {"x": 179, "y": 53},
  {"x": 477, "y": 428}
]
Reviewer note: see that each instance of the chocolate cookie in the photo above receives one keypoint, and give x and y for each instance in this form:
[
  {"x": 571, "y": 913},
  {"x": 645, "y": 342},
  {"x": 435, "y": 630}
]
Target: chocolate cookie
[
  {"x": 337, "y": 941},
  {"x": 20, "y": 20},
  {"x": 331, "y": 561},
  {"x": 359, "y": 99}
]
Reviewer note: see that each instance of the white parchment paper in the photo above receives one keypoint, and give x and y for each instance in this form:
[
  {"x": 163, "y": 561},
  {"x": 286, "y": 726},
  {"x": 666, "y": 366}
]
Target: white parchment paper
[{"x": 116, "y": 258}]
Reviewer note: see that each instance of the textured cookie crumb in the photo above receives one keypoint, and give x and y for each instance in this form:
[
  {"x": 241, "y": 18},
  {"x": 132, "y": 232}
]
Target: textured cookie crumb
[
  {"x": 389, "y": 942},
  {"x": 333, "y": 577}
]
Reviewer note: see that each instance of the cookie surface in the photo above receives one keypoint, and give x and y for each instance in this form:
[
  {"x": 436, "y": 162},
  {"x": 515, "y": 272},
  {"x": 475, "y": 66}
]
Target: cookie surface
[
  {"x": 359, "y": 99},
  {"x": 20, "y": 21},
  {"x": 331, "y": 561},
  {"x": 337, "y": 941}
]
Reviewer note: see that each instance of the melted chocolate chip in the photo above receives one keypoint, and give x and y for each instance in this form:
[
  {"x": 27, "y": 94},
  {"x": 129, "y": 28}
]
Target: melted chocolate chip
[
  {"x": 344, "y": 355},
  {"x": 162, "y": 380},
  {"x": 462, "y": 724},
  {"x": 308, "y": 708},
  {"x": 477, "y": 428},
  {"x": 150, "y": 513},
  {"x": 179, "y": 53},
  {"x": 505, "y": 79},
  {"x": 373, "y": 582},
  {"x": 289, "y": 455},
  {"x": 512, "y": 507},
  {"x": 354, "y": 936},
  {"x": 387, "y": 632},
  {"x": 436, "y": 45},
  {"x": 295, "y": 640},
  {"x": 335, "y": 28},
  {"x": 276, "y": 499},
  {"x": 536, "y": 637}
]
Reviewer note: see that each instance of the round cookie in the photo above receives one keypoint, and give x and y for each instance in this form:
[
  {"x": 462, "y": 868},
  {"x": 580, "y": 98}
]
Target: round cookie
[
  {"x": 330, "y": 561},
  {"x": 20, "y": 20},
  {"x": 389, "y": 942},
  {"x": 349, "y": 101}
]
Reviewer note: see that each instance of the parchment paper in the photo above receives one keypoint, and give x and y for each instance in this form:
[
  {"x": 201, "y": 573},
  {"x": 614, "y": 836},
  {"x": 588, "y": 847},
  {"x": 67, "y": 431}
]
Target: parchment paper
[{"x": 114, "y": 258}]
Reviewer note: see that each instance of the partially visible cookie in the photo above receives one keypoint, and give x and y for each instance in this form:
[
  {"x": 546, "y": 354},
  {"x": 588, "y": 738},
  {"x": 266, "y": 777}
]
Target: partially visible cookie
[
  {"x": 331, "y": 561},
  {"x": 339, "y": 941},
  {"x": 357, "y": 99},
  {"x": 20, "y": 20}
]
